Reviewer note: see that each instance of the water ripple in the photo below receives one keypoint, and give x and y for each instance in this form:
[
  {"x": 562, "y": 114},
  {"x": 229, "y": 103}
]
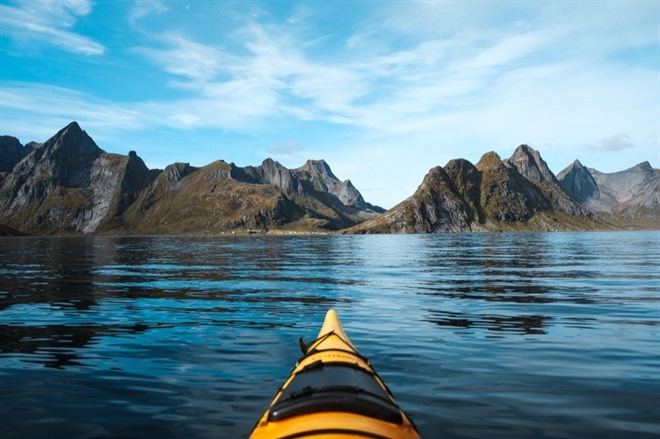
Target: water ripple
[{"x": 498, "y": 335}]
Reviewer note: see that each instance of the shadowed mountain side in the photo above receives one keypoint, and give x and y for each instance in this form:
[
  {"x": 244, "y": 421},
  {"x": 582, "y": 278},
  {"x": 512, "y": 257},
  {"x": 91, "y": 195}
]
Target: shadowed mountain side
[
  {"x": 519, "y": 193},
  {"x": 8, "y": 231},
  {"x": 578, "y": 182},
  {"x": 11, "y": 152}
]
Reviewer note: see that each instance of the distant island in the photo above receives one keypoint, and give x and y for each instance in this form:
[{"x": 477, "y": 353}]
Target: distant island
[{"x": 68, "y": 186}]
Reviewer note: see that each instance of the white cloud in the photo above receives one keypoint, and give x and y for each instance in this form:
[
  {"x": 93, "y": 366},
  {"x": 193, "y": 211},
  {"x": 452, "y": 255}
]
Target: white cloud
[
  {"x": 618, "y": 142},
  {"x": 184, "y": 119},
  {"x": 273, "y": 78},
  {"x": 302, "y": 14},
  {"x": 290, "y": 149},
  {"x": 48, "y": 22},
  {"x": 393, "y": 92},
  {"x": 184, "y": 57},
  {"x": 144, "y": 8},
  {"x": 506, "y": 50},
  {"x": 257, "y": 11},
  {"x": 54, "y": 107}
]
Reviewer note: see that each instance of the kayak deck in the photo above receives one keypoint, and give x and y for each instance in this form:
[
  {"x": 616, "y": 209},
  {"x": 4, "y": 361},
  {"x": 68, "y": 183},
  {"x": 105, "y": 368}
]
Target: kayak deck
[{"x": 333, "y": 392}]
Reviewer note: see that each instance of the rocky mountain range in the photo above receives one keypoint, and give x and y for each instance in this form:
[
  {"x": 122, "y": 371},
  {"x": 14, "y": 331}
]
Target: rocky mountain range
[
  {"x": 518, "y": 193},
  {"x": 68, "y": 185},
  {"x": 631, "y": 195}
]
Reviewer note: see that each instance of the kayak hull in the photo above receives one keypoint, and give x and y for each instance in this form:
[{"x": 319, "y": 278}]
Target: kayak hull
[{"x": 333, "y": 392}]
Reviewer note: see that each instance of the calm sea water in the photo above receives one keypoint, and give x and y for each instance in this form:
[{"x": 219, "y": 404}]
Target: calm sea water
[{"x": 483, "y": 335}]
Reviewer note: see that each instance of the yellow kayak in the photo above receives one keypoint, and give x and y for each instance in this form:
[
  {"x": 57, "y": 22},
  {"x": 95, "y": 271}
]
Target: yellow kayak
[{"x": 333, "y": 392}]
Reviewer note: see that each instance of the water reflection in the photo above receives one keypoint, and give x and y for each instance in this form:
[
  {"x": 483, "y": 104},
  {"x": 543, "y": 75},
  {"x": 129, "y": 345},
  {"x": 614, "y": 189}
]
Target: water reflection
[
  {"x": 60, "y": 296},
  {"x": 525, "y": 324},
  {"x": 498, "y": 333},
  {"x": 58, "y": 272},
  {"x": 82, "y": 271},
  {"x": 58, "y": 346},
  {"x": 511, "y": 268}
]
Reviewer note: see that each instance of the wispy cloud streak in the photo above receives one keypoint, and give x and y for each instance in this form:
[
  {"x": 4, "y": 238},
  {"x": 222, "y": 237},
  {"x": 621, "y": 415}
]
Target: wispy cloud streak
[{"x": 49, "y": 22}]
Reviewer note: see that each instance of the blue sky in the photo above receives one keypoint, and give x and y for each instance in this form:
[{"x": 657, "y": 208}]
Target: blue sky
[{"x": 382, "y": 90}]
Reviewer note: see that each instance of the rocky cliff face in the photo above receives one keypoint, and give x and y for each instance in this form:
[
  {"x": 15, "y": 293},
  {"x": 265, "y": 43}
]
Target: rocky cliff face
[
  {"x": 519, "y": 193},
  {"x": 313, "y": 187},
  {"x": 117, "y": 181},
  {"x": 185, "y": 199},
  {"x": 632, "y": 194},
  {"x": 317, "y": 176},
  {"x": 506, "y": 195},
  {"x": 70, "y": 185},
  {"x": 533, "y": 168},
  {"x": 436, "y": 206},
  {"x": 314, "y": 177}
]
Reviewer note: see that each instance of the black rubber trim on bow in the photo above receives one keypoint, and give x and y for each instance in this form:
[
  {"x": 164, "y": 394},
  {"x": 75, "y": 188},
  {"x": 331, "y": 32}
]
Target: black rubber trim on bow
[{"x": 337, "y": 387}]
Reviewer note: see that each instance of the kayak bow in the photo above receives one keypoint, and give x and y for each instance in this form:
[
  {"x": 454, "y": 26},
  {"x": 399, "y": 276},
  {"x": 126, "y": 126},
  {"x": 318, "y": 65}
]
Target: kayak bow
[{"x": 333, "y": 392}]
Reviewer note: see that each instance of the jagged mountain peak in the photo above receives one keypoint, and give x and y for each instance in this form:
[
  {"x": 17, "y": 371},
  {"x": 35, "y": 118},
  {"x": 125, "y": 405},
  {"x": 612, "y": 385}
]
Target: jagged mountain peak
[
  {"x": 459, "y": 163},
  {"x": 177, "y": 171},
  {"x": 435, "y": 173},
  {"x": 524, "y": 150},
  {"x": 72, "y": 140},
  {"x": 531, "y": 165},
  {"x": 72, "y": 129},
  {"x": 321, "y": 177},
  {"x": 68, "y": 184},
  {"x": 273, "y": 167},
  {"x": 489, "y": 160},
  {"x": 319, "y": 167},
  {"x": 576, "y": 165},
  {"x": 646, "y": 169},
  {"x": 578, "y": 182},
  {"x": 631, "y": 194},
  {"x": 271, "y": 162}
]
